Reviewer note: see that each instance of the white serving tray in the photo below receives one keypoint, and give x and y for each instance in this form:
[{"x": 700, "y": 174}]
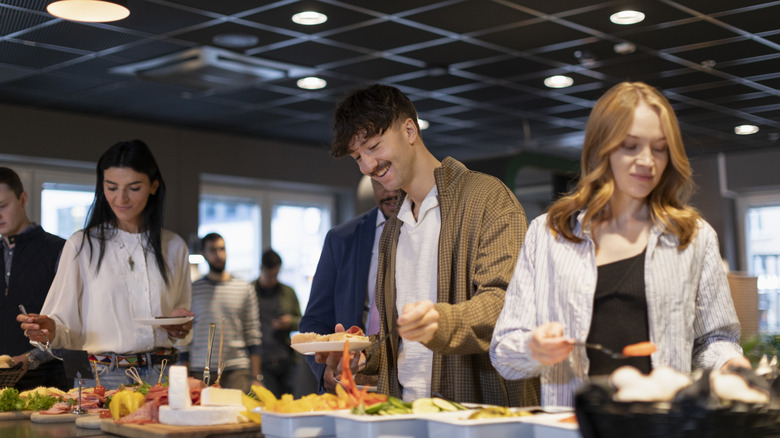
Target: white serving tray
[
  {"x": 349, "y": 425},
  {"x": 535, "y": 426},
  {"x": 298, "y": 425}
]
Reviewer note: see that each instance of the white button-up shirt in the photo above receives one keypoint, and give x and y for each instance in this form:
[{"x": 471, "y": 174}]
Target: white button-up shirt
[{"x": 415, "y": 280}]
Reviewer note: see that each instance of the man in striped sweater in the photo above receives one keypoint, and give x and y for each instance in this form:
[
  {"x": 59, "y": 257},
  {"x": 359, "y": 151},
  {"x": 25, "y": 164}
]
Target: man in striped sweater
[{"x": 231, "y": 303}]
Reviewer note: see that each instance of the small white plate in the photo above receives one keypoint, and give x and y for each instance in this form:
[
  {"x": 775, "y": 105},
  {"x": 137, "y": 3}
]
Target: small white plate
[
  {"x": 310, "y": 348},
  {"x": 164, "y": 321}
]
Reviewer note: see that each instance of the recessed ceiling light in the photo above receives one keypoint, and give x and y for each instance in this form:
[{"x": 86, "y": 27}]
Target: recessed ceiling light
[
  {"x": 91, "y": 11},
  {"x": 745, "y": 129},
  {"x": 423, "y": 124},
  {"x": 627, "y": 17},
  {"x": 311, "y": 83},
  {"x": 309, "y": 18},
  {"x": 235, "y": 40},
  {"x": 558, "y": 81}
]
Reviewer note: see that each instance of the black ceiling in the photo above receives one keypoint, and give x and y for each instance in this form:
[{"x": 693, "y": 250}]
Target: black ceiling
[{"x": 474, "y": 68}]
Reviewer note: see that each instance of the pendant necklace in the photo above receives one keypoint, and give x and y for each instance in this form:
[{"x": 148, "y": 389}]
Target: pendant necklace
[{"x": 130, "y": 261}]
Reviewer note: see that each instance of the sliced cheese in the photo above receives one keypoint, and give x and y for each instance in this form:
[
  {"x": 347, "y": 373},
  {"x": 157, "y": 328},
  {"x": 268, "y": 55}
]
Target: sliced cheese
[
  {"x": 178, "y": 388},
  {"x": 200, "y": 415},
  {"x": 220, "y": 397}
]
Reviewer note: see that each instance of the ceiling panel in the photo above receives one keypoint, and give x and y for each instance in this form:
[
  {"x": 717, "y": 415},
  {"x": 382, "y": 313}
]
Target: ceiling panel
[{"x": 475, "y": 68}]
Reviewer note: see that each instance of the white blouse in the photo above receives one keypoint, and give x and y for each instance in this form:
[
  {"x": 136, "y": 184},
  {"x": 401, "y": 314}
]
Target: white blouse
[
  {"x": 690, "y": 312},
  {"x": 97, "y": 311}
]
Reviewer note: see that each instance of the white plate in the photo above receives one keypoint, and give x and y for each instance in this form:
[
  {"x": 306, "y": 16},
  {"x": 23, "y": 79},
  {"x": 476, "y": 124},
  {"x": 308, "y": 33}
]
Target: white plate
[
  {"x": 164, "y": 321},
  {"x": 309, "y": 348}
]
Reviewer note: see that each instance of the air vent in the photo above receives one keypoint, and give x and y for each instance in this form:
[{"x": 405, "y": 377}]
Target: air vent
[{"x": 208, "y": 68}]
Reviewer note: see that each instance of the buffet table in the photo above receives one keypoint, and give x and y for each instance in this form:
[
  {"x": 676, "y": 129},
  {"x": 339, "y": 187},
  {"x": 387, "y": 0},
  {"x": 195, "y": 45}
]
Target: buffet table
[{"x": 26, "y": 428}]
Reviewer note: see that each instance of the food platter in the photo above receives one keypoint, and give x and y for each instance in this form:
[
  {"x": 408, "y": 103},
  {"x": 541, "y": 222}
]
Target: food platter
[
  {"x": 160, "y": 320},
  {"x": 310, "y": 348}
]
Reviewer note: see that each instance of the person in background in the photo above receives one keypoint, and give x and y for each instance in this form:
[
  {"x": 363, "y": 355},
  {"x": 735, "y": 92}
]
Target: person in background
[
  {"x": 344, "y": 284},
  {"x": 280, "y": 315},
  {"x": 121, "y": 269},
  {"x": 621, "y": 260},
  {"x": 29, "y": 260},
  {"x": 445, "y": 258},
  {"x": 221, "y": 298}
]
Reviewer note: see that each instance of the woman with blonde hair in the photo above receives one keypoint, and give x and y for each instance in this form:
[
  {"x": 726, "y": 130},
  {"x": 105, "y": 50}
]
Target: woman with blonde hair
[{"x": 620, "y": 260}]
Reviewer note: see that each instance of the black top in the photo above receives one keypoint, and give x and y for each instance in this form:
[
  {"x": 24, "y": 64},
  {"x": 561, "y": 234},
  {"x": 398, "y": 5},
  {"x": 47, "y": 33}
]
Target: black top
[{"x": 619, "y": 314}]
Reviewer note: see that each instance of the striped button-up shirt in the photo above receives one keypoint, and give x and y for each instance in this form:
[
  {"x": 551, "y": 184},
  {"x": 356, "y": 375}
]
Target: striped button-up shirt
[{"x": 690, "y": 312}]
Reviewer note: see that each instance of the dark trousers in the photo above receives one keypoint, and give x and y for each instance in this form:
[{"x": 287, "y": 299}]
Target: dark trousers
[{"x": 278, "y": 375}]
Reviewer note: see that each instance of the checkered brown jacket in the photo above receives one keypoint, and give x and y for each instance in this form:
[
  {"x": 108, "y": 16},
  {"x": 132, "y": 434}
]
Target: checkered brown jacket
[{"x": 483, "y": 226}]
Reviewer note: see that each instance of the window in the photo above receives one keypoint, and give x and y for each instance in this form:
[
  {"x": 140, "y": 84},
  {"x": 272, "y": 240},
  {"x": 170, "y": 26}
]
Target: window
[
  {"x": 761, "y": 258},
  {"x": 297, "y": 234},
  {"x": 237, "y": 220},
  {"x": 251, "y": 220},
  {"x": 58, "y": 200},
  {"x": 64, "y": 209}
]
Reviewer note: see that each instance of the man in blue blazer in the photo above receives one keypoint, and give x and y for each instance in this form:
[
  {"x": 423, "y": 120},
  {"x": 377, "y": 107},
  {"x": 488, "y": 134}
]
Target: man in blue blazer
[{"x": 341, "y": 283}]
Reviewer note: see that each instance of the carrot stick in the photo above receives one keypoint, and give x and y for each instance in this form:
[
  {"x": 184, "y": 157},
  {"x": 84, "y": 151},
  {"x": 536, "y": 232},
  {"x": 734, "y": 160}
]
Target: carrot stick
[{"x": 640, "y": 349}]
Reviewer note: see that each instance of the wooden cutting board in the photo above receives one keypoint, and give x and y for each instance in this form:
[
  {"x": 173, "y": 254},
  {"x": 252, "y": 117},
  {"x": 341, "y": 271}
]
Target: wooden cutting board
[
  {"x": 89, "y": 421},
  {"x": 37, "y": 417},
  {"x": 243, "y": 430},
  {"x": 15, "y": 415}
]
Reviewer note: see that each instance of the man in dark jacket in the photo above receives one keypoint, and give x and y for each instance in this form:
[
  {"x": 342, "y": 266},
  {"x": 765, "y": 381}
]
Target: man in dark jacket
[{"x": 29, "y": 259}]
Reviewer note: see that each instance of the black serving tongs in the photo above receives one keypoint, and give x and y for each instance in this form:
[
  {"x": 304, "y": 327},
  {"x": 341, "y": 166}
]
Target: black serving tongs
[
  {"x": 381, "y": 340},
  {"x": 43, "y": 347}
]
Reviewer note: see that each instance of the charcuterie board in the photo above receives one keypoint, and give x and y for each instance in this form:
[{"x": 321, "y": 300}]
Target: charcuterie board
[
  {"x": 242, "y": 430},
  {"x": 15, "y": 415}
]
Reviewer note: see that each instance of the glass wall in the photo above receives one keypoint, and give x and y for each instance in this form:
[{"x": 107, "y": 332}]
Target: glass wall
[{"x": 762, "y": 253}]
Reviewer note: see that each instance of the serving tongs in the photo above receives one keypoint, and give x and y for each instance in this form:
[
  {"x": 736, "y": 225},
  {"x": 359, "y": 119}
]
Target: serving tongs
[
  {"x": 43, "y": 347},
  {"x": 206, "y": 370},
  {"x": 380, "y": 342},
  {"x": 220, "y": 363}
]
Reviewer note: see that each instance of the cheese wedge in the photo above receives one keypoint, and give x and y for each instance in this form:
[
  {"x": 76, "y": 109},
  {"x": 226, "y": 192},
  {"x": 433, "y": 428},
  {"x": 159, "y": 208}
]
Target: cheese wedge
[
  {"x": 200, "y": 415},
  {"x": 220, "y": 397},
  {"x": 178, "y": 388}
]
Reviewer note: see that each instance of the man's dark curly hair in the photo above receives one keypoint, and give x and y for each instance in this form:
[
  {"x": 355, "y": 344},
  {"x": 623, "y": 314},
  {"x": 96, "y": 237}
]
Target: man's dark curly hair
[{"x": 368, "y": 112}]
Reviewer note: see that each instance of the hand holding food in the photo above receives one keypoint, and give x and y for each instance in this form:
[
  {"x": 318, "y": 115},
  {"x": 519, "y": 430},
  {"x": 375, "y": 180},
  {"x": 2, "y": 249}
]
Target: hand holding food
[
  {"x": 418, "y": 321},
  {"x": 547, "y": 344},
  {"x": 333, "y": 358}
]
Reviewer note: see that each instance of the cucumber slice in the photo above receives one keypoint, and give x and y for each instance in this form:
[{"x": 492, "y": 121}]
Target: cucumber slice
[
  {"x": 444, "y": 405},
  {"x": 424, "y": 406},
  {"x": 376, "y": 407}
]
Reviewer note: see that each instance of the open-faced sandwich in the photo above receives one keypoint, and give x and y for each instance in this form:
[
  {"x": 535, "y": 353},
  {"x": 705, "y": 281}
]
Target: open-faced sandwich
[{"x": 353, "y": 334}]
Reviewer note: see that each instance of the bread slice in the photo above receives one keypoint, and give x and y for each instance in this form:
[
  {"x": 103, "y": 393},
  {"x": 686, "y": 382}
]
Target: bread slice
[
  {"x": 304, "y": 338},
  {"x": 342, "y": 336}
]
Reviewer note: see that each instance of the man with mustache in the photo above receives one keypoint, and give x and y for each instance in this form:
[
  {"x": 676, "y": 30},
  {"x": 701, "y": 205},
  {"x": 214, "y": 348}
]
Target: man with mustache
[
  {"x": 445, "y": 259},
  {"x": 343, "y": 287},
  {"x": 216, "y": 297}
]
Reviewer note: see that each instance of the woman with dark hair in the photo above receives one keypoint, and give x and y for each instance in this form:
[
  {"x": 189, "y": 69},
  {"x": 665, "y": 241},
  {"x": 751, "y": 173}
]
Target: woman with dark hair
[
  {"x": 121, "y": 269},
  {"x": 621, "y": 260}
]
